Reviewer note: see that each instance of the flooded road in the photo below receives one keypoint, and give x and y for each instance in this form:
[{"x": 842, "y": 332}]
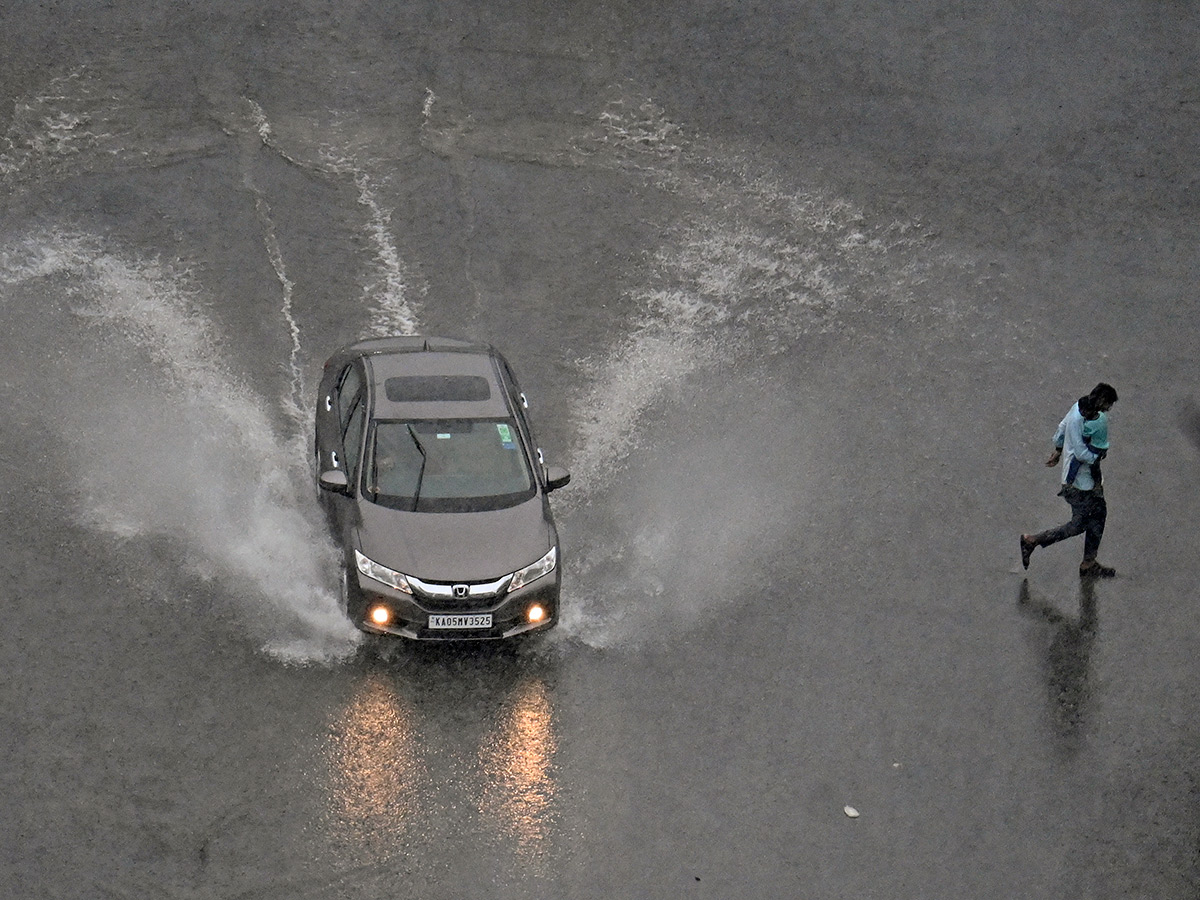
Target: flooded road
[{"x": 798, "y": 294}]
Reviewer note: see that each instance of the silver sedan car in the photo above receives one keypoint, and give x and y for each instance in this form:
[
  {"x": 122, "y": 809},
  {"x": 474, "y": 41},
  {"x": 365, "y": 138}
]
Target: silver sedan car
[{"x": 437, "y": 491}]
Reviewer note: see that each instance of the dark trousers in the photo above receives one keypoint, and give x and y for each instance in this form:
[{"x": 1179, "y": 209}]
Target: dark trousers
[{"x": 1088, "y": 512}]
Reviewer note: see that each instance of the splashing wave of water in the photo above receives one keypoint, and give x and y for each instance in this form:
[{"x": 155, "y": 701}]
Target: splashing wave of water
[{"x": 166, "y": 442}]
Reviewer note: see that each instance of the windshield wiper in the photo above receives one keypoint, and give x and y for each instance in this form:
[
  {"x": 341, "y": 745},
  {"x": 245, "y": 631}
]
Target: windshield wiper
[{"x": 421, "y": 471}]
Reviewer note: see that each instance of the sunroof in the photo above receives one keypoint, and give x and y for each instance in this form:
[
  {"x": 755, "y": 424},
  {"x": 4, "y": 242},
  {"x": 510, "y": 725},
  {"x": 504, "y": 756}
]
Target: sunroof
[{"x": 427, "y": 388}]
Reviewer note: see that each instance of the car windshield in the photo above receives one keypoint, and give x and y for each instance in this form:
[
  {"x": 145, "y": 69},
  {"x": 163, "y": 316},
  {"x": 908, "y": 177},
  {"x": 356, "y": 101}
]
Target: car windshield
[{"x": 446, "y": 465}]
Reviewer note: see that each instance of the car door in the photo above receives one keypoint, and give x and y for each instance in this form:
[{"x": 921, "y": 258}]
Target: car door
[
  {"x": 338, "y": 396},
  {"x": 339, "y": 446},
  {"x": 520, "y": 406}
]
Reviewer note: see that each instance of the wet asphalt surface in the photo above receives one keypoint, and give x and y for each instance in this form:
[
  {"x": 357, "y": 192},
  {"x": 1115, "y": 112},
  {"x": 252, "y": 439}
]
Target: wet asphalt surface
[{"x": 799, "y": 294}]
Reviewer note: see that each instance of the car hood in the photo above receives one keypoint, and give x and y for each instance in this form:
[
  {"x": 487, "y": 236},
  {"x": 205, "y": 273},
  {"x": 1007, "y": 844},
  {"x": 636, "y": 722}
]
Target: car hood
[{"x": 455, "y": 547}]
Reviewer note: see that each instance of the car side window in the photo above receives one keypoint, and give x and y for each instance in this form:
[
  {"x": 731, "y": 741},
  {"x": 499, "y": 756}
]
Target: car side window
[
  {"x": 348, "y": 391},
  {"x": 520, "y": 404},
  {"x": 519, "y": 400},
  {"x": 352, "y": 436},
  {"x": 518, "y": 394}
]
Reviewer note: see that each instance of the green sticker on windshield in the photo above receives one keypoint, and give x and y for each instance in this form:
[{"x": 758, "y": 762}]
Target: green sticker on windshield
[{"x": 505, "y": 434}]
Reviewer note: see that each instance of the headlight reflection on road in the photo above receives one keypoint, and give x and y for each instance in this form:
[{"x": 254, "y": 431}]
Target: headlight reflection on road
[
  {"x": 401, "y": 758},
  {"x": 518, "y": 759},
  {"x": 377, "y": 773}
]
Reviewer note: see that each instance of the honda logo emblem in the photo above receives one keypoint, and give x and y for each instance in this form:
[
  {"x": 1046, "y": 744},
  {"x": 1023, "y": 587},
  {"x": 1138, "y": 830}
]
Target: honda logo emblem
[{"x": 461, "y": 591}]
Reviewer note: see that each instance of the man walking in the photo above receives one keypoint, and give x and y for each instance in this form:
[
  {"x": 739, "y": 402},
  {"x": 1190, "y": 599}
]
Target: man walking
[{"x": 1081, "y": 487}]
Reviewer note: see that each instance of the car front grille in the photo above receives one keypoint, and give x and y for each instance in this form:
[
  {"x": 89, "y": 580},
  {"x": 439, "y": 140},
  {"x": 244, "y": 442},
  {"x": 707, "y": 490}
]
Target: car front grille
[{"x": 452, "y": 596}]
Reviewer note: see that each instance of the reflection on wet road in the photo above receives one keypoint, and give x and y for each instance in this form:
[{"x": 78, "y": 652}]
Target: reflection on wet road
[
  {"x": 1067, "y": 657},
  {"x": 376, "y": 770},
  {"x": 402, "y": 764},
  {"x": 518, "y": 753}
]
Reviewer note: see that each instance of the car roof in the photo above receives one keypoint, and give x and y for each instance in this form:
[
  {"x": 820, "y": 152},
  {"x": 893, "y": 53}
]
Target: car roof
[{"x": 433, "y": 378}]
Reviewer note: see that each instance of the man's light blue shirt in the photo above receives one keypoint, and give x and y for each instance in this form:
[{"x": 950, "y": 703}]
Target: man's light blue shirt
[{"x": 1069, "y": 438}]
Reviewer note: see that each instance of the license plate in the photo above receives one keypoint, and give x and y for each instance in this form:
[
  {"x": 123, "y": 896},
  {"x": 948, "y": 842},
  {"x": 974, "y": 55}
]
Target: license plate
[{"x": 478, "y": 620}]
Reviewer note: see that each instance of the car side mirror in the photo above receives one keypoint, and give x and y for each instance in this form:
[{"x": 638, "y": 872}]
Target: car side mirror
[
  {"x": 556, "y": 477},
  {"x": 335, "y": 480}
]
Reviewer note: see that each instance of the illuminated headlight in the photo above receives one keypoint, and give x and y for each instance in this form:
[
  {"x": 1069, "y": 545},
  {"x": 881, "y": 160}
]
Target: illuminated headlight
[
  {"x": 543, "y": 566},
  {"x": 382, "y": 574}
]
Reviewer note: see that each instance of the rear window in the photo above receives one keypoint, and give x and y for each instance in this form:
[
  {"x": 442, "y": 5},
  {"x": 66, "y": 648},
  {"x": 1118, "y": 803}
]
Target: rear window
[{"x": 431, "y": 388}]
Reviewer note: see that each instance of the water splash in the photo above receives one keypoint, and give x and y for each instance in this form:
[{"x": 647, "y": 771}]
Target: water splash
[
  {"x": 165, "y": 442},
  {"x": 214, "y": 470},
  {"x": 750, "y": 268}
]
